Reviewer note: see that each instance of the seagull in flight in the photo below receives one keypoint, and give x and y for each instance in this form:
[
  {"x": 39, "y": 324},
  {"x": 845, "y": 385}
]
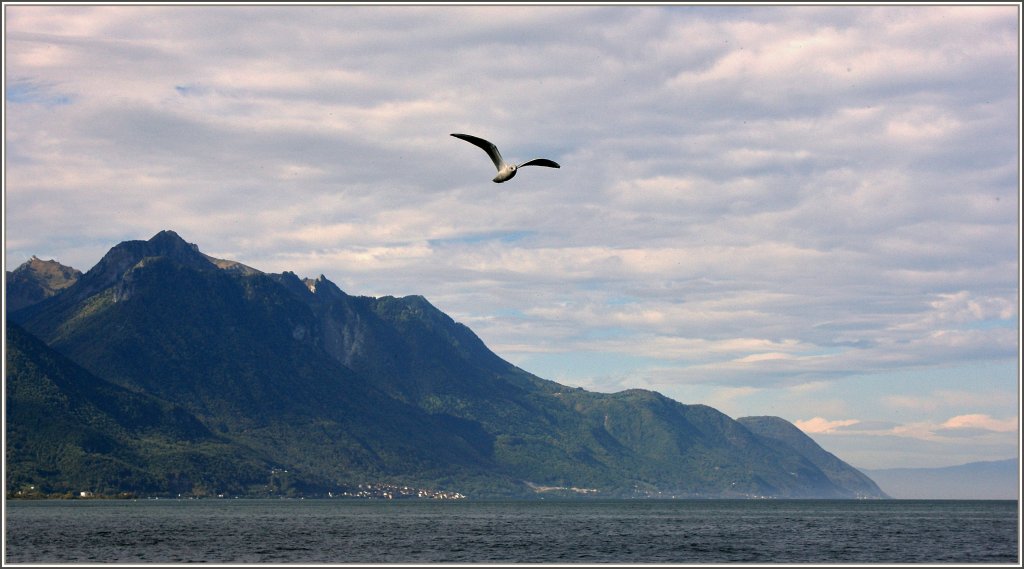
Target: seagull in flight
[{"x": 506, "y": 170}]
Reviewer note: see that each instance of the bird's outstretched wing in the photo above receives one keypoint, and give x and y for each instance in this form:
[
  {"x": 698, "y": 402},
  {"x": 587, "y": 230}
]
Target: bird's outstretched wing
[
  {"x": 541, "y": 162},
  {"x": 488, "y": 147}
]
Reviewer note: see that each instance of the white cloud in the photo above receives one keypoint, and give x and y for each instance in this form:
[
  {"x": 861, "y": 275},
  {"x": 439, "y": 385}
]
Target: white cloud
[
  {"x": 983, "y": 422},
  {"x": 822, "y": 425}
]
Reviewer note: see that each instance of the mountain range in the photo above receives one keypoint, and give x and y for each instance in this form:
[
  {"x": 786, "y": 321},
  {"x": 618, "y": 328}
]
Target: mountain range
[{"x": 164, "y": 371}]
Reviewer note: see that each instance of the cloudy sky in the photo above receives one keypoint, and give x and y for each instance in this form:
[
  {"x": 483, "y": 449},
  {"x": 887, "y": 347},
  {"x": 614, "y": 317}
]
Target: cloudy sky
[{"x": 808, "y": 212}]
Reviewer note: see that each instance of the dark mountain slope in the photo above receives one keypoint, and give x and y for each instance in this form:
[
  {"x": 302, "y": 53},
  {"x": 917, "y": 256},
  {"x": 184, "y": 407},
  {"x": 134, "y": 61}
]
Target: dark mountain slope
[
  {"x": 413, "y": 351},
  {"x": 78, "y": 432},
  {"x": 692, "y": 449},
  {"x": 836, "y": 470},
  {"x": 341, "y": 389}
]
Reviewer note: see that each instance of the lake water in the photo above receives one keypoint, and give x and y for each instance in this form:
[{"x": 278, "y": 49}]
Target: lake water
[{"x": 492, "y": 532}]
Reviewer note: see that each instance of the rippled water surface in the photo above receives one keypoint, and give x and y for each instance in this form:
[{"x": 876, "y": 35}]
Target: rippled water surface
[{"x": 550, "y": 532}]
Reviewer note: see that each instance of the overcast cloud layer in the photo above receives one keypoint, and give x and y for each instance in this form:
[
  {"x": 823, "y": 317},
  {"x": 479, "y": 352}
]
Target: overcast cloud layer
[{"x": 809, "y": 212}]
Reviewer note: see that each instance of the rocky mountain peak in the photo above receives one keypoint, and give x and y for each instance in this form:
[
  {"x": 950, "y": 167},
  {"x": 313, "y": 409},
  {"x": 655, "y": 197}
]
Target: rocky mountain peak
[
  {"x": 324, "y": 288},
  {"x": 127, "y": 254},
  {"x": 51, "y": 271},
  {"x": 36, "y": 280}
]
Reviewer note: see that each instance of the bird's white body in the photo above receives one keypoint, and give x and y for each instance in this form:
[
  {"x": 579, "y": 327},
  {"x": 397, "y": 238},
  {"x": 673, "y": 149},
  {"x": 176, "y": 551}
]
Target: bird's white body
[{"x": 506, "y": 170}]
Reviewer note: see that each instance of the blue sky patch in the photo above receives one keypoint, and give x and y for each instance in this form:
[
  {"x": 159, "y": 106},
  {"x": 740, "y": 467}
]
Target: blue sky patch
[
  {"x": 29, "y": 93},
  {"x": 475, "y": 238}
]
